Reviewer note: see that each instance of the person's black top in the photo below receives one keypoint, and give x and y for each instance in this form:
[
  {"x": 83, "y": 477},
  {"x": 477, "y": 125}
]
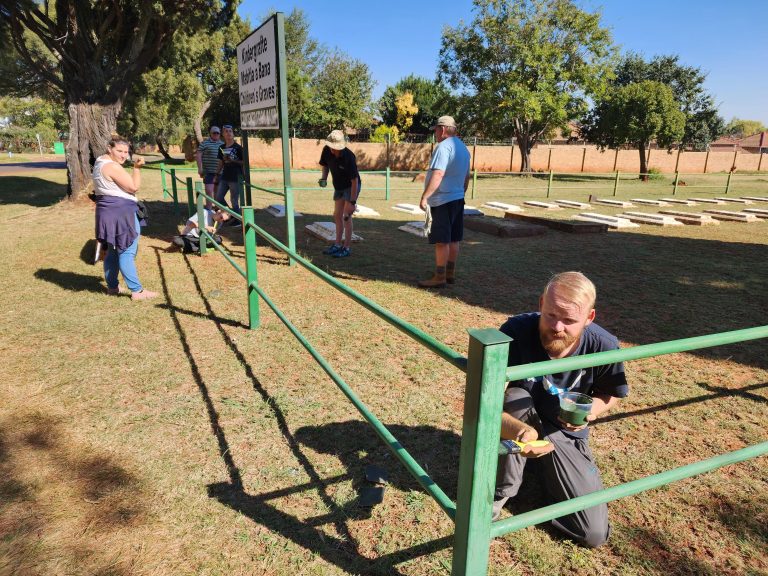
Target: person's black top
[
  {"x": 231, "y": 172},
  {"x": 343, "y": 169}
]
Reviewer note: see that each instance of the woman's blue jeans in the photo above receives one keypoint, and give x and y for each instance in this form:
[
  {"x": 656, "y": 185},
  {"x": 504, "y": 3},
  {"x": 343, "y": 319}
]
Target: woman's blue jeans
[{"x": 123, "y": 261}]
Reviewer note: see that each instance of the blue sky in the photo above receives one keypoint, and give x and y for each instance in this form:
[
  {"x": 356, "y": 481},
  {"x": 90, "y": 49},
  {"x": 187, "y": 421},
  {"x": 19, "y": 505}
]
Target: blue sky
[{"x": 727, "y": 40}]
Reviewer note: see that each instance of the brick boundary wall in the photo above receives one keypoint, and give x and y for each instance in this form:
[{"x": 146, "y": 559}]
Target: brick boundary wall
[{"x": 305, "y": 154}]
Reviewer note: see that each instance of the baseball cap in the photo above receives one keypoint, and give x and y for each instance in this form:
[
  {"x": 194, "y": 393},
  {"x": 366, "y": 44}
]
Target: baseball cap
[
  {"x": 215, "y": 130},
  {"x": 336, "y": 140},
  {"x": 445, "y": 121}
]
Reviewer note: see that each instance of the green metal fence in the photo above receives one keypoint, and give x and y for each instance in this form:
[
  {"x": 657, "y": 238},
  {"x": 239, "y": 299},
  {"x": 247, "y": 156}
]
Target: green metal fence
[{"x": 486, "y": 376}]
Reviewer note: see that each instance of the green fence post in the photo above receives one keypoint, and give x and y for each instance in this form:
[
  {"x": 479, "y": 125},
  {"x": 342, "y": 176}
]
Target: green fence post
[
  {"x": 241, "y": 190},
  {"x": 190, "y": 196},
  {"x": 616, "y": 183},
  {"x": 549, "y": 183},
  {"x": 386, "y": 186},
  {"x": 474, "y": 183},
  {"x": 481, "y": 430},
  {"x": 199, "y": 187},
  {"x": 677, "y": 178},
  {"x": 251, "y": 277},
  {"x": 175, "y": 190},
  {"x": 728, "y": 183},
  {"x": 201, "y": 219},
  {"x": 162, "y": 179}
]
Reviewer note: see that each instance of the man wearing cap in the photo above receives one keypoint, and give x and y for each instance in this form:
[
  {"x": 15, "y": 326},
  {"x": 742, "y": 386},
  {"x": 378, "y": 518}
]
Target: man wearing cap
[
  {"x": 444, "y": 189},
  {"x": 207, "y": 161},
  {"x": 339, "y": 160}
]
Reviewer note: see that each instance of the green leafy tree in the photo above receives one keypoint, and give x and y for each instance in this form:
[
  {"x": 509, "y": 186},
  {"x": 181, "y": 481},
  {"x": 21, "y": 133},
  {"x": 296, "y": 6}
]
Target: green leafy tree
[
  {"x": 525, "y": 67},
  {"x": 430, "y": 96},
  {"x": 91, "y": 53},
  {"x": 702, "y": 123},
  {"x": 636, "y": 115},
  {"x": 739, "y": 128},
  {"x": 341, "y": 95}
]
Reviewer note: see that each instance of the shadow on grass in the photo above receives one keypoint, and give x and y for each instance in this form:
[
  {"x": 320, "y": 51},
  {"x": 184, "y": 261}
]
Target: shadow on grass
[
  {"x": 71, "y": 280},
  {"x": 719, "y": 392},
  {"x": 30, "y": 190},
  {"x": 50, "y": 487},
  {"x": 342, "y": 551}
]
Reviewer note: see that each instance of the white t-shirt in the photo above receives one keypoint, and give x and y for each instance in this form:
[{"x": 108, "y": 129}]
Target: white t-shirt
[
  {"x": 104, "y": 186},
  {"x": 209, "y": 221}
]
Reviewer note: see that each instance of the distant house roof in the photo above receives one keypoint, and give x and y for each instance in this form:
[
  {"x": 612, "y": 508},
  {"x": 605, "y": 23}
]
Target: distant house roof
[{"x": 754, "y": 143}]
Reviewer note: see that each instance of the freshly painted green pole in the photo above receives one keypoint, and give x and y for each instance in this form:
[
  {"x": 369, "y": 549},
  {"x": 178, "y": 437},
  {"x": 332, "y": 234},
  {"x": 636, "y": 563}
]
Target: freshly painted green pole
[
  {"x": 201, "y": 221},
  {"x": 162, "y": 178},
  {"x": 483, "y": 399},
  {"x": 251, "y": 276},
  {"x": 728, "y": 183},
  {"x": 549, "y": 183},
  {"x": 647, "y": 350},
  {"x": 622, "y": 490},
  {"x": 284, "y": 135},
  {"x": 677, "y": 179},
  {"x": 616, "y": 181},
  {"x": 386, "y": 186},
  {"x": 199, "y": 188},
  {"x": 190, "y": 196}
]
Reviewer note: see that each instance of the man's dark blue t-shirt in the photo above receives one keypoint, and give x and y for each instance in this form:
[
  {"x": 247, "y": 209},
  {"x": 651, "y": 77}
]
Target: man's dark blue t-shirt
[
  {"x": 343, "y": 169},
  {"x": 526, "y": 348}
]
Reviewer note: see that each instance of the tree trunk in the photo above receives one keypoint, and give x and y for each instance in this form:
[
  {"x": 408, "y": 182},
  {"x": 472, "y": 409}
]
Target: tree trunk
[
  {"x": 199, "y": 121},
  {"x": 91, "y": 127},
  {"x": 161, "y": 147},
  {"x": 643, "y": 162},
  {"x": 525, "y": 145}
]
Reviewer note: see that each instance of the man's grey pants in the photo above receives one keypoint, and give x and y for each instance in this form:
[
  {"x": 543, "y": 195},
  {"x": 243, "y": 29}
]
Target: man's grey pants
[{"x": 569, "y": 471}]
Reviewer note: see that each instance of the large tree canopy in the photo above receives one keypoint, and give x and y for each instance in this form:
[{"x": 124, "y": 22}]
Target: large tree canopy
[
  {"x": 637, "y": 114},
  {"x": 92, "y": 52},
  {"x": 526, "y": 67},
  {"x": 739, "y": 128},
  {"x": 702, "y": 123}
]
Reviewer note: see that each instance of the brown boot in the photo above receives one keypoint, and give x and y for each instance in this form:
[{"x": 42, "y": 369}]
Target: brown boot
[
  {"x": 437, "y": 280},
  {"x": 450, "y": 272}
]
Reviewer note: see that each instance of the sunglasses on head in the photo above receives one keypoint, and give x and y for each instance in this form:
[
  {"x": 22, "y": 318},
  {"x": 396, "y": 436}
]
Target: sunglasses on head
[{"x": 227, "y": 126}]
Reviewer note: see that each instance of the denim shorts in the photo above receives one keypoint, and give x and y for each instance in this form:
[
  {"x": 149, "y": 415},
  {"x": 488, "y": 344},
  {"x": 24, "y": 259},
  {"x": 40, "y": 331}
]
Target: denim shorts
[{"x": 208, "y": 177}]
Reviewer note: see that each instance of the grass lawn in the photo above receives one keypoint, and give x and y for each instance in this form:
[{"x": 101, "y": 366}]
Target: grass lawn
[{"x": 165, "y": 437}]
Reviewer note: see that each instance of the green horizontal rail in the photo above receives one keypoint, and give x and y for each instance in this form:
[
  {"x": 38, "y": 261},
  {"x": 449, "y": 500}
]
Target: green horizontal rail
[
  {"x": 420, "y": 336},
  {"x": 622, "y": 490},
  {"x": 392, "y": 443},
  {"x": 601, "y": 358},
  {"x": 222, "y": 207},
  {"x": 224, "y": 253}
]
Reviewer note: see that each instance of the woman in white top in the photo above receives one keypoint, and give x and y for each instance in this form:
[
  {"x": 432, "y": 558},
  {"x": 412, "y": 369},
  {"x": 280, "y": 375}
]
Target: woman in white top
[{"x": 117, "y": 224}]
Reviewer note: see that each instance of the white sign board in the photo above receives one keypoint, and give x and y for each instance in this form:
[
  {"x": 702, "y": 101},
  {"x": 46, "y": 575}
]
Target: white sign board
[{"x": 257, "y": 72}]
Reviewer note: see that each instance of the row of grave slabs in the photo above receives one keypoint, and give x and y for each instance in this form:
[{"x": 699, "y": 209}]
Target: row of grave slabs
[{"x": 517, "y": 224}]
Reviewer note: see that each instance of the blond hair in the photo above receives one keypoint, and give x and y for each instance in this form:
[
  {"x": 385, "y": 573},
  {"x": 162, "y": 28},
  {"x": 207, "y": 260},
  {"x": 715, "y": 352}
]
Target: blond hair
[{"x": 574, "y": 286}]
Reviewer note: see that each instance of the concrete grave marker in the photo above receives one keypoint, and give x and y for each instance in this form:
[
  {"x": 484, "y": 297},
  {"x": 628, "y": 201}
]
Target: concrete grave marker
[
  {"x": 733, "y": 199},
  {"x": 611, "y": 221},
  {"x": 756, "y": 198},
  {"x": 415, "y": 228},
  {"x": 691, "y": 218},
  {"x": 472, "y": 211},
  {"x": 731, "y": 216},
  {"x": 654, "y": 219},
  {"x": 409, "y": 208},
  {"x": 679, "y": 201},
  {"x": 759, "y": 212},
  {"x": 502, "y": 206},
  {"x": 648, "y": 202},
  {"x": 327, "y": 231},
  {"x": 619, "y": 203},
  {"x": 545, "y": 205},
  {"x": 278, "y": 211},
  {"x": 573, "y": 204},
  {"x": 365, "y": 211},
  {"x": 707, "y": 200}
]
